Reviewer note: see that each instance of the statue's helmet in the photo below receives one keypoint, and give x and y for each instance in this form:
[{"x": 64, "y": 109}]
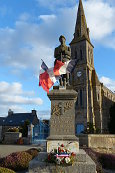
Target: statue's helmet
[{"x": 61, "y": 37}]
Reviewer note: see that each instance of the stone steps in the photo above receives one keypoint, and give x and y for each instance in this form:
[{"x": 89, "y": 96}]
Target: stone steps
[{"x": 83, "y": 164}]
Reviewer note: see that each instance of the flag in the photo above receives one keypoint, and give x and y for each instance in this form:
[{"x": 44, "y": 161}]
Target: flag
[
  {"x": 47, "y": 79},
  {"x": 61, "y": 68},
  {"x": 44, "y": 67},
  {"x": 50, "y": 75}
]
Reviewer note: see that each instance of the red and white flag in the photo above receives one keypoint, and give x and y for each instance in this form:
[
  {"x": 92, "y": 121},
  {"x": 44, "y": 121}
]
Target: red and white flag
[
  {"x": 47, "y": 79},
  {"x": 49, "y": 76}
]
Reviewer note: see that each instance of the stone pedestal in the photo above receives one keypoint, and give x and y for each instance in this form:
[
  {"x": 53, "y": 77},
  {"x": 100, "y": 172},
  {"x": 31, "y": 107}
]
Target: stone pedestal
[
  {"x": 62, "y": 122},
  {"x": 62, "y": 131},
  {"x": 83, "y": 164}
]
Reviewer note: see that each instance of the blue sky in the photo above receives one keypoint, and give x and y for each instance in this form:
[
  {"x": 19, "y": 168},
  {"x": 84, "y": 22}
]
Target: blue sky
[{"x": 29, "y": 32}]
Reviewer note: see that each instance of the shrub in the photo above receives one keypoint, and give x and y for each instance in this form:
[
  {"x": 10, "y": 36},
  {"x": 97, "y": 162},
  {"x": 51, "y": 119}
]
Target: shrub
[
  {"x": 94, "y": 156},
  {"x": 33, "y": 152},
  {"x": 107, "y": 161},
  {"x": 5, "y": 170},
  {"x": 16, "y": 161},
  {"x": 24, "y": 128}
]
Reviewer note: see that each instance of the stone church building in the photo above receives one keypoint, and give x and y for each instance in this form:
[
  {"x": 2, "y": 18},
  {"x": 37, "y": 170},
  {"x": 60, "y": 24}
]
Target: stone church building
[{"x": 94, "y": 99}]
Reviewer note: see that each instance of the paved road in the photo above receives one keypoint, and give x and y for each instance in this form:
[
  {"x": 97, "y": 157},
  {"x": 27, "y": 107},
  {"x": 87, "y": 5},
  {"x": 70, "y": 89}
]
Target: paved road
[{"x": 8, "y": 149}]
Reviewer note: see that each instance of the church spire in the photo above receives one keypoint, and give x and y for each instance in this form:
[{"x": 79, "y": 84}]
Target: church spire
[{"x": 81, "y": 30}]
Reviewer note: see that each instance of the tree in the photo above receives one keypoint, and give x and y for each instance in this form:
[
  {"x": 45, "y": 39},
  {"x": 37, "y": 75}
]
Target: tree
[
  {"x": 24, "y": 128},
  {"x": 112, "y": 119}
]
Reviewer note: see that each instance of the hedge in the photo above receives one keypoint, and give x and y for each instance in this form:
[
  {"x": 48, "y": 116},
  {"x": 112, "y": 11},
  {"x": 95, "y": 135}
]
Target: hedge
[{"x": 6, "y": 170}]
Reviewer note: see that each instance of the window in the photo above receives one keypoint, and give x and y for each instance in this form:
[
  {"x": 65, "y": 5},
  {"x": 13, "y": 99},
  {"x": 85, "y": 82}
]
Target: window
[
  {"x": 78, "y": 34},
  {"x": 89, "y": 55},
  {"x": 91, "y": 61},
  {"x": 76, "y": 54},
  {"x": 81, "y": 54},
  {"x": 80, "y": 97},
  {"x": 77, "y": 102},
  {"x": 98, "y": 97},
  {"x": 107, "y": 94},
  {"x": 79, "y": 128},
  {"x": 10, "y": 121}
]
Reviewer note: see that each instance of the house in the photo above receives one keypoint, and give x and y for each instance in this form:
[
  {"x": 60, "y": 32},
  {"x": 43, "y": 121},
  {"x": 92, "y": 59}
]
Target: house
[
  {"x": 16, "y": 120},
  {"x": 2, "y": 120}
]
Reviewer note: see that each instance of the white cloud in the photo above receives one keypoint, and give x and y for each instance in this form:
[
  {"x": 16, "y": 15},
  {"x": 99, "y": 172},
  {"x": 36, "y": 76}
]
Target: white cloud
[
  {"x": 12, "y": 96},
  {"x": 109, "y": 83},
  {"x": 23, "y": 46},
  {"x": 100, "y": 17},
  {"x": 47, "y": 17},
  {"x": 44, "y": 114},
  {"x": 9, "y": 99},
  {"x": 14, "y": 88},
  {"x": 4, "y": 109},
  {"x": 24, "y": 17}
]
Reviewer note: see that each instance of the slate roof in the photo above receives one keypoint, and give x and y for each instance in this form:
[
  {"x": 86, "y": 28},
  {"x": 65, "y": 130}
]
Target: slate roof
[{"x": 17, "y": 119}]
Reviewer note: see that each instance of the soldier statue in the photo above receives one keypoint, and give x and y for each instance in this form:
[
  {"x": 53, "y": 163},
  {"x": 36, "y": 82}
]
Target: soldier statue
[{"x": 63, "y": 53}]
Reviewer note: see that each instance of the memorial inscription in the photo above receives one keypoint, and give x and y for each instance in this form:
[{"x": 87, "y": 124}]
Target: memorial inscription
[{"x": 61, "y": 108}]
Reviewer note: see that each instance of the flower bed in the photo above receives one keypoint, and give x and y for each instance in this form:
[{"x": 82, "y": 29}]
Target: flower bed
[
  {"x": 107, "y": 161},
  {"x": 13, "y": 129},
  {"x": 94, "y": 156},
  {"x": 19, "y": 160},
  {"x": 16, "y": 161},
  {"x": 33, "y": 152},
  {"x": 5, "y": 170},
  {"x": 101, "y": 160},
  {"x": 61, "y": 156}
]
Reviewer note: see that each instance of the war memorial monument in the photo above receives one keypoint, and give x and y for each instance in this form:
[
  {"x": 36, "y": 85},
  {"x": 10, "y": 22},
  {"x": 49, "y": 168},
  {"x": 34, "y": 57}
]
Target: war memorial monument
[
  {"x": 79, "y": 99},
  {"x": 62, "y": 125}
]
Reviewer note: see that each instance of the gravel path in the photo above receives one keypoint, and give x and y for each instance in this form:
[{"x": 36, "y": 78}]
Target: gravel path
[{"x": 8, "y": 149}]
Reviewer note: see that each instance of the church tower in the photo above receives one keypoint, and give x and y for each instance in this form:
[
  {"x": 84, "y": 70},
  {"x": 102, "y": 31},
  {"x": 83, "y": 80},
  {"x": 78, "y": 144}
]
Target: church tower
[{"x": 82, "y": 49}]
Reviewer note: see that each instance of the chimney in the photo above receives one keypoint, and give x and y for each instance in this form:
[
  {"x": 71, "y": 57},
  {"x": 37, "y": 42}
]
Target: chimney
[
  {"x": 10, "y": 112},
  {"x": 33, "y": 112}
]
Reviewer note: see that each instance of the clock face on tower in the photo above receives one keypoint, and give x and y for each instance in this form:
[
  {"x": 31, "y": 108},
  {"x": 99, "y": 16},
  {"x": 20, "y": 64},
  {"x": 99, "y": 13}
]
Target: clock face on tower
[{"x": 79, "y": 73}]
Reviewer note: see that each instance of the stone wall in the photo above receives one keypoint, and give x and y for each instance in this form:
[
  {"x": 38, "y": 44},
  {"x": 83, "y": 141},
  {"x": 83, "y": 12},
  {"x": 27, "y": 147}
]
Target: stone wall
[
  {"x": 97, "y": 141},
  {"x": 12, "y": 137},
  {"x": 0, "y": 133}
]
